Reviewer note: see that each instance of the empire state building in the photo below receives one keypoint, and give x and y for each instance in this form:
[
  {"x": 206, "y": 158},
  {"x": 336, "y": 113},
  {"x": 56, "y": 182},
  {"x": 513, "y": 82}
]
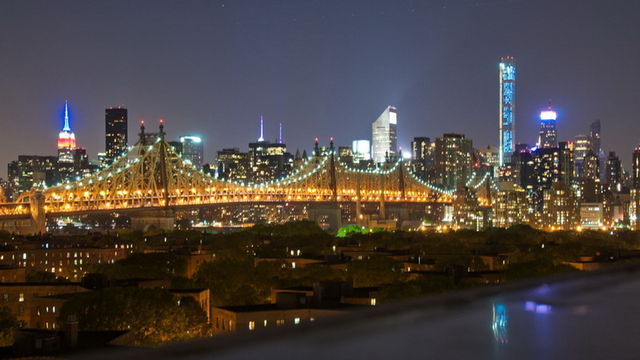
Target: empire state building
[{"x": 66, "y": 139}]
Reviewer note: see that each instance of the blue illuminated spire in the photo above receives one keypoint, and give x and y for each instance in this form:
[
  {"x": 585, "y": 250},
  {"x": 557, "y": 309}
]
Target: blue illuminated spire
[{"x": 66, "y": 126}]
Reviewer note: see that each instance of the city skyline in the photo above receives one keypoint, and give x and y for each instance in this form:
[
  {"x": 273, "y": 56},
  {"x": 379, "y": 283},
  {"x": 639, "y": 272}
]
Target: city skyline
[{"x": 223, "y": 90}]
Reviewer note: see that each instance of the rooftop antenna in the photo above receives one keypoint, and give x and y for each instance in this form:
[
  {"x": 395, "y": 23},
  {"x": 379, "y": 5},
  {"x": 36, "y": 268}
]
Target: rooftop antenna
[
  {"x": 280, "y": 134},
  {"x": 66, "y": 126},
  {"x": 261, "y": 138}
]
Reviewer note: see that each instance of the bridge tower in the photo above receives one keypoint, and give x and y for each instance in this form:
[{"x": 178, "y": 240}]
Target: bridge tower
[
  {"x": 331, "y": 213},
  {"x": 38, "y": 216},
  {"x": 164, "y": 218}
]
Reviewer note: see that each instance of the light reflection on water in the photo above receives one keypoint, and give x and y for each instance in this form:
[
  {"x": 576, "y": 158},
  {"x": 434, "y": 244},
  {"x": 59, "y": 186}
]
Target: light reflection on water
[{"x": 500, "y": 323}]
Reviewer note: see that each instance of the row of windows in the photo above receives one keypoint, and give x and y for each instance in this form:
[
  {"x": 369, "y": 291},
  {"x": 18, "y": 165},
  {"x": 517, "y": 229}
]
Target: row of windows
[
  {"x": 265, "y": 323},
  {"x": 5, "y": 297}
]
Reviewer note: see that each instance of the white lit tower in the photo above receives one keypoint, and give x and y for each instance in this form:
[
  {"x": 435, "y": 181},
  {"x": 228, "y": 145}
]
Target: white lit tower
[
  {"x": 548, "y": 137},
  {"x": 507, "y": 125},
  {"x": 384, "y": 136}
]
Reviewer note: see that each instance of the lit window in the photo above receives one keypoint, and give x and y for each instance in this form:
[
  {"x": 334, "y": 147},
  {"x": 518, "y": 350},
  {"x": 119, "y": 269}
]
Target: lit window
[
  {"x": 373, "y": 301},
  {"x": 296, "y": 321},
  {"x": 264, "y": 323},
  {"x": 21, "y": 297},
  {"x": 252, "y": 325}
]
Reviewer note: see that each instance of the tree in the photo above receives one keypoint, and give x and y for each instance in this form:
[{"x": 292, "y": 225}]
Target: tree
[
  {"x": 235, "y": 281},
  {"x": 139, "y": 265},
  {"x": 375, "y": 270},
  {"x": 44, "y": 277},
  {"x": 538, "y": 267},
  {"x": 153, "y": 316},
  {"x": 8, "y": 323}
]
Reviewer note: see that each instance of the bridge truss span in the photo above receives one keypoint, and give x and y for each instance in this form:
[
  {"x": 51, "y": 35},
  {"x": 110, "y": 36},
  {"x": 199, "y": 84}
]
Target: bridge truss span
[{"x": 154, "y": 176}]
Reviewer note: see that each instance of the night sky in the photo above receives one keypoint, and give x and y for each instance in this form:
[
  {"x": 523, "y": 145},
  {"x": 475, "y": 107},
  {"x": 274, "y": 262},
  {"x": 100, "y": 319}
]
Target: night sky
[{"x": 322, "y": 68}]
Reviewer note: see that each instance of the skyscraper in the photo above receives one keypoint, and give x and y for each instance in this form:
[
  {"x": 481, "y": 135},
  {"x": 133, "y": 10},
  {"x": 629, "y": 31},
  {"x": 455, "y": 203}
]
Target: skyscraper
[
  {"x": 232, "y": 164},
  {"x": 453, "y": 159},
  {"x": 614, "y": 172},
  {"x": 582, "y": 145},
  {"x": 115, "y": 133},
  {"x": 548, "y": 134},
  {"x": 66, "y": 141},
  {"x": 567, "y": 162},
  {"x": 192, "y": 149},
  {"x": 422, "y": 155},
  {"x": 384, "y": 136},
  {"x": 634, "y": 207},
  {"x": 590, "y": 186},
  {"x": 507, "y": 77},
  {"x": 361, "y": 150},
  {"x": 594, "y": 136},
  {"x": 636, "y": 168},
  {"x": 33, "y": 171}
]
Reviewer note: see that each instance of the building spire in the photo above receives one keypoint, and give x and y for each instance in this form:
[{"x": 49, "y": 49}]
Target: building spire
[
  {"x": 280, "y": 134},
  {"x": 66, "y": 126},
  {"x": 261, "y": 138}
]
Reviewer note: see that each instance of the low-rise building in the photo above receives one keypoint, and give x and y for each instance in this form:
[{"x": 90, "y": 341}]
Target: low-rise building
[
  {"x": 230, "y": 319},
  {"x": 20, "y": 297},
  {"x": 12, "y": 274},
  {"x": 67, "y": 262}
]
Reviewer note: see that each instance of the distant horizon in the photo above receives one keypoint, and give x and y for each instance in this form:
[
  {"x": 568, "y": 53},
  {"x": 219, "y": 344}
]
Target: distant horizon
[{"x": 323, "y": 69}]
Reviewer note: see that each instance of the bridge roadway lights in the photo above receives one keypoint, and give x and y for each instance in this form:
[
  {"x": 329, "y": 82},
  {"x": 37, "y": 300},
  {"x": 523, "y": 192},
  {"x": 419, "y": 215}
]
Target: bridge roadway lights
[
  {"x": 326, "y": 214},
  {"x": 153, "y": 219}
]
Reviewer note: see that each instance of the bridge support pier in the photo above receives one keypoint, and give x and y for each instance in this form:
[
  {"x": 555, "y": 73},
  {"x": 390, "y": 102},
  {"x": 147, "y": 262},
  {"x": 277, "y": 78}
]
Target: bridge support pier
[
  {"x": 156, "y": 219},
  {"x": 329, "y": 216},
  {"x": 38, "y": 216}
]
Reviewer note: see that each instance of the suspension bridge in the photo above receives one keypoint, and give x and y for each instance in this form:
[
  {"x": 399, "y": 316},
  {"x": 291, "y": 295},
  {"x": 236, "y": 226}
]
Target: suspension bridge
[{"x": 151, "y": 180}]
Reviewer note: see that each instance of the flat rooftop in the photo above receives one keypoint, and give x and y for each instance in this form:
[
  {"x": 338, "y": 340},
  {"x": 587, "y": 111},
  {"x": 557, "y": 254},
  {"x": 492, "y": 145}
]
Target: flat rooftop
[{"x": 576, "y": 316}]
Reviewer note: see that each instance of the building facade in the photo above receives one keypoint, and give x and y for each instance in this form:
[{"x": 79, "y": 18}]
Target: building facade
[
  {"x": 453, "y": 159},
  {"x": 507, "y": 108},
  {"x": 193, "y": 149},
  {"x": 384, "y": 136},
  {"x": 116, "y": 133},
  {"x": 548, "y": 137}
]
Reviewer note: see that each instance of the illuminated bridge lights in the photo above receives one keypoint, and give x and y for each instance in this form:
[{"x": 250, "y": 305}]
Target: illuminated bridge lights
[{"x": 133, "y": 184}]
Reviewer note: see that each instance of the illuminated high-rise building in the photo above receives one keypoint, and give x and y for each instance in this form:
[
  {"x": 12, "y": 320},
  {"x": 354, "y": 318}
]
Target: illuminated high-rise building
[
  {"x": 115, "y": 119},
  {"x": 636, "y": 168},
  {"x": 511, "y": 205},
  {"x": 33, "y": 171},
  {"x": 567, "y": 162},
  {"x": 614, "y": 172},
  {"x": 595, "y": 136},
  {"x": 590, "y": 186},
  {"x": 192, "y": 149},
  {"x": 634, "y": 206},
  {"x": 361, "y": 150},
  {"x": 560, "y": 208},
  {"x": 453, "y": 160},
  {"x": 384, "y": 136},
  {"x": 422, "y": 155},
  {"x": 66, "y": 140},
  {"x": 581, "y": 147},
  {"x": 548, "y": 134},
  {"x": 232, "y": 164},
  {"x": 507, "y": 125}
]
